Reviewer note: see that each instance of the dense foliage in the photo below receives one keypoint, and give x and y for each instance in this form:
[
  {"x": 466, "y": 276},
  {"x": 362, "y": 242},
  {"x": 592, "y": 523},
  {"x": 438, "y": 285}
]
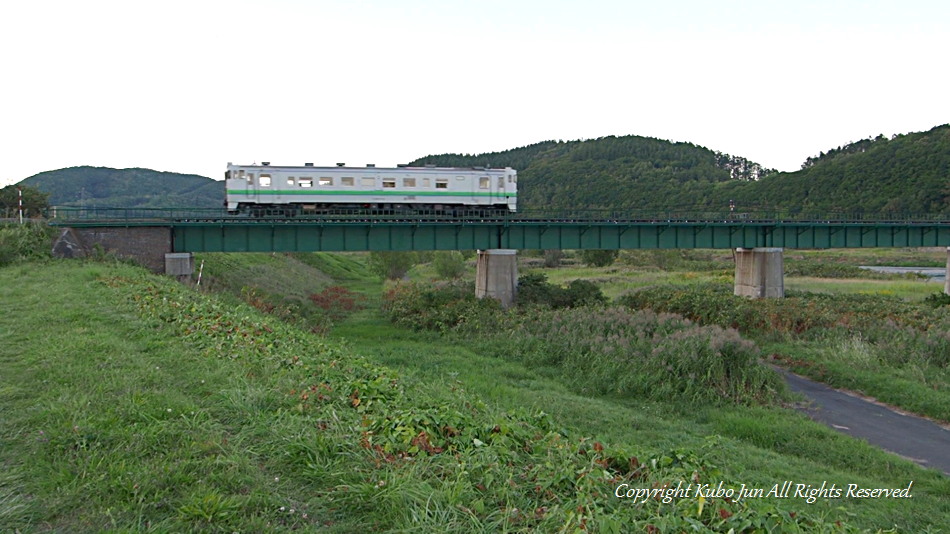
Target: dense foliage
[
  {"x": 629, "y": 173},
  {"x": 20, "y": 242},
  {"x": 904, "y": 174},
  {"x": 851, "y": 341},
  {"x": 127, "y": 188},
  {"x": 606, "y": 350},
  {"x": 34, "y": 202}
]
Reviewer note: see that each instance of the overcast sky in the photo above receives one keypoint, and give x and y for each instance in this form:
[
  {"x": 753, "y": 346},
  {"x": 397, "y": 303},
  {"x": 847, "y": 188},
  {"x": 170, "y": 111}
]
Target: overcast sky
[{"x": 187, "y": 86}]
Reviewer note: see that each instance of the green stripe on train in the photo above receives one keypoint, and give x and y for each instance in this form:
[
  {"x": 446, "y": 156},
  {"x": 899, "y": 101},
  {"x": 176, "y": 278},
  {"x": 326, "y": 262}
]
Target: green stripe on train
[{"x": 295, "y": 192}]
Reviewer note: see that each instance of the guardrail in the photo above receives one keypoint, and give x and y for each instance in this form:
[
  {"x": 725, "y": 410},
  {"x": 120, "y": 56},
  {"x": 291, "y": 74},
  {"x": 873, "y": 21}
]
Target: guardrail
[{"x": 64, "y": 215}]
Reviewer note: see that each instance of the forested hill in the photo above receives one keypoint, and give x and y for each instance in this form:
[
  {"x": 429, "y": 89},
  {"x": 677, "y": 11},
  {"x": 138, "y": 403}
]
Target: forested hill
[
  {"x": 630, "y": 172},
  {"x": 127, "y": 188},
  {"x": 908, "y": 173}
]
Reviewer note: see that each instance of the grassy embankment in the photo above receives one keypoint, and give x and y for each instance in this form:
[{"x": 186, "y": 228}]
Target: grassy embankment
[
  {"x": 132, "y": 403},
  {"x": 511, "y": 384}
]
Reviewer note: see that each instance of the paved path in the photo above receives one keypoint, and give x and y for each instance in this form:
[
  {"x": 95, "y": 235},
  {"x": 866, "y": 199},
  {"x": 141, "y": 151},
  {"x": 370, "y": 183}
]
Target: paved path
[{"x": 912, "y": 437}]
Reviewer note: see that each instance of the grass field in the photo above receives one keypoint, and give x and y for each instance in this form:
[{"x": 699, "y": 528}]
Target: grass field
[{"x": 128, "y": 403}]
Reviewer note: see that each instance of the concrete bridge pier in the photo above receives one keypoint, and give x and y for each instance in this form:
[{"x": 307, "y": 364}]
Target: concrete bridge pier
[
  {"x": 181, "y": 265},
  {"x": 946, "y": 283},
  {"x": 496, "y": 275},
  {"x": 760, "y": 273}
]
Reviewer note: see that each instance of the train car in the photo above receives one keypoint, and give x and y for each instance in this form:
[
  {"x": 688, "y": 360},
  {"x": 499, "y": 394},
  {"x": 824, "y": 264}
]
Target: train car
[{"x": 307, "y": 189}]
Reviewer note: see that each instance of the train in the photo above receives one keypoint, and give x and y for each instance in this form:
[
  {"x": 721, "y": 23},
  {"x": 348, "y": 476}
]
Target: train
[{"x": 295, "y": 190}]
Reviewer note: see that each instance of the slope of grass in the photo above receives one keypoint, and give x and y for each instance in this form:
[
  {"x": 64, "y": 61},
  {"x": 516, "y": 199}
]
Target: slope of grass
[{"x": 131, "y": 403}]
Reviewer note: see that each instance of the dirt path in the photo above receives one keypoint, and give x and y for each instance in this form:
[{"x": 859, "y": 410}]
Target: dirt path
[{"x": 910, "y": 436}]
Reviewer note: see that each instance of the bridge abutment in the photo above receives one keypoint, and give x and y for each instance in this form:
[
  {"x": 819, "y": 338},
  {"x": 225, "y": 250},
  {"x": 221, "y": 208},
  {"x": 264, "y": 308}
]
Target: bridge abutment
[
  {"x": 496, "y": 275},
  {"x": 760, "y": 273},
  {"x": 146, "y": 245}
]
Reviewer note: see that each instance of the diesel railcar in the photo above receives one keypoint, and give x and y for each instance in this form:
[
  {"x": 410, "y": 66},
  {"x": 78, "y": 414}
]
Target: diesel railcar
[{"x": 305, "y": 189}]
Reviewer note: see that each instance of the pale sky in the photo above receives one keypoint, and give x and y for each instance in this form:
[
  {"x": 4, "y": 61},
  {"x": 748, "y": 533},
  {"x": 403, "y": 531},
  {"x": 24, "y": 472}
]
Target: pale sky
[{"x": 187, "y": 86}]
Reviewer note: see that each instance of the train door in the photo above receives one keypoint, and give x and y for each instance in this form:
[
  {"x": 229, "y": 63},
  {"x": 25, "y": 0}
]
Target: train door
[{"x": 483, "y": 195}]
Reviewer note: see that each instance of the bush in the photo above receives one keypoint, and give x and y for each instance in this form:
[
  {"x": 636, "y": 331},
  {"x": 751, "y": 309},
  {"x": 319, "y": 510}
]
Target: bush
[
  {"x": 392, "y": 265},
  {"x": 19, "y": 242},
  {"x": 534, "y": 289},
  {"x": 599, "y": 258},
  {"x": 553, "y": 257},
  {"x": 441, "y": 308},
  {"x": 449, "y": 264}
]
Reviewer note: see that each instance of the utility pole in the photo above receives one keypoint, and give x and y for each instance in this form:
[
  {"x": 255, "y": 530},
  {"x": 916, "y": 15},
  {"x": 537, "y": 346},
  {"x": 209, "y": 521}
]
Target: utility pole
[{"x": 19, "y": 191}]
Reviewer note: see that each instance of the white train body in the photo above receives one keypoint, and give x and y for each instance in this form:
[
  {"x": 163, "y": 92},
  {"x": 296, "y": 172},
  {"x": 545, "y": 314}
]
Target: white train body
[{"x": 309, "y": 188}]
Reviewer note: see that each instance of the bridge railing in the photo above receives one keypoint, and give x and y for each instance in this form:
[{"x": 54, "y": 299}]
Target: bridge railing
[{"x": 65, "y": 215}]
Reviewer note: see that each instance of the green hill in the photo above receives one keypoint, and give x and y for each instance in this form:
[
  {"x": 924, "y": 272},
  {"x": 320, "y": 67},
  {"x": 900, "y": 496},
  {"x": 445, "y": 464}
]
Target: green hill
[
  {"x": 127, "y": 188},
  {"x": 907, "y": 173},
  {"x": 626, "y": 173}
]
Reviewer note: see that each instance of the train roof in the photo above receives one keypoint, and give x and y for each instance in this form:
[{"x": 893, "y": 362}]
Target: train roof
[{"x": 369, "y": 166}]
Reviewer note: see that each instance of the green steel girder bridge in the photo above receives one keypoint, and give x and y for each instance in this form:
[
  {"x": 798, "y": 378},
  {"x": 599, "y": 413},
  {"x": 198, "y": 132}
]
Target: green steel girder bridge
[{"x": 216, "y": 231}]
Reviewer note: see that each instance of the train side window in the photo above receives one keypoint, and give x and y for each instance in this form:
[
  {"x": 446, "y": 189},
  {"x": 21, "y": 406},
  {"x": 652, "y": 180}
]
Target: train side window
[
  {"x": 408, "y": 182},
  {"x": 426, "y": 182},
  {"x": 347, "y": 181},
  {"x": 483, "y": 182},
  {"x": 324, "y": 180},
  {"x": 250, "y": 177},
  {"x": 501, "y": 182},
  {"x": 367, "y": 181},
  {"x": 306, "y": 182},
  {"x": 290, "y": 180},
  {"x": 264, "y": 180},
  {"x": 441, "y": 183},
  {"x": 389, "y": 183}
]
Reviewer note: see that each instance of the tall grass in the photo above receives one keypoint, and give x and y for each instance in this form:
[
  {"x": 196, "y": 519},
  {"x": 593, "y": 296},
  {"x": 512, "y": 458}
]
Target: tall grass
[
  {"x": 21, "y": 242},
  {"x": 891, "y": 349},
  {"x": 607, "y": 350}
]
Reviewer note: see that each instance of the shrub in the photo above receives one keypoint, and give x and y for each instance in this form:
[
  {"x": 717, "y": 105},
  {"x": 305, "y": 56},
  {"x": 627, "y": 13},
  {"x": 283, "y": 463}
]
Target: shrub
[
  {"x": 534, "y": 289},
  {"x": 553, "y": 257},
  {"x": 599, "y": 258},
  {"x": 19, "y": 242},
  {"x": 391, "y": 265},
  {"x": 449, "y": 264}
]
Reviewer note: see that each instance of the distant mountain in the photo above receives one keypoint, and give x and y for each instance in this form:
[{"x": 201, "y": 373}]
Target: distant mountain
[
  {"x": 127, "y": 188},
  {"x": 908, "y": 173}
]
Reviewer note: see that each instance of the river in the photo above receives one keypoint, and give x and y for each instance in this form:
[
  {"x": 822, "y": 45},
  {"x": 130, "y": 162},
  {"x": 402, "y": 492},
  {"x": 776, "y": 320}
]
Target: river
[{"x": 936, "y": 274}]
